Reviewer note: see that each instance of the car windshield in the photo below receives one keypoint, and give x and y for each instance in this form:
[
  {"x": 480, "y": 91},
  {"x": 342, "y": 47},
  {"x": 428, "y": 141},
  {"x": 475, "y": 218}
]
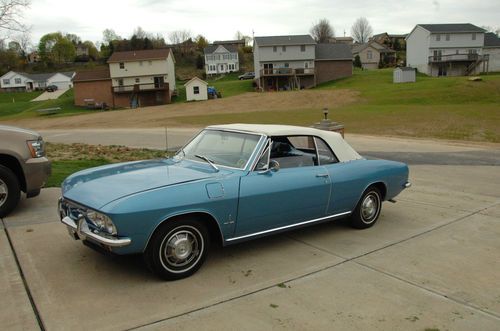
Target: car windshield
[{"x": 224, "y": 148}]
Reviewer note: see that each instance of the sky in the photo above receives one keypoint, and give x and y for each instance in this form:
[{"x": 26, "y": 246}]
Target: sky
[{"x": 219, "y": 20}]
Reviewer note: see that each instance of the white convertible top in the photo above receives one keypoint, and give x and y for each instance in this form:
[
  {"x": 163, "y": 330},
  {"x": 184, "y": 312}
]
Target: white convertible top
[{"x": 340, "y": 147}]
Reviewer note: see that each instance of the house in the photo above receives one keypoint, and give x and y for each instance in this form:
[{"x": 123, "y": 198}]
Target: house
[
  {"x": 240, "y": 43},
  {"x": 372, "y": 53},
  {"x": 196, "y": 89},
  {"x": 132, "y": 79},
  {"x": 342, "y": 40},
  {"x": 21, "y": 81},
  {"x": 447, "y": 49},
  {"x": 221, "y": 59},
  {"x": 332, "y": 61},
  {"x": 395, "y": 42},
  {"x": 492, "y": 50},
  {"x": 297, "y": 61},
  {"x": 142, "y": 77},
  {"x": 82, "y": 50}
]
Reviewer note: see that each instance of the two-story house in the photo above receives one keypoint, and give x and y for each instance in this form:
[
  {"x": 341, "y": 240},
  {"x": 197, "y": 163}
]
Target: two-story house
[
  {"x": 372, "y": 54},
  {"x": 221, "y": 59},
  {"x": 446, "y": 49},
  {"x": 297, "y": 61},
  {"x": 133, "y": 79},
  {"x": 284, "y": 62}
]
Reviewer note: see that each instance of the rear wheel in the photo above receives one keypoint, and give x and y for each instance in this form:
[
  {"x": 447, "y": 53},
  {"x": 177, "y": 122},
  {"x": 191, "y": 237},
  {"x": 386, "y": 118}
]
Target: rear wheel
[
  {"x": 177, "y": 249},
  {"x": 10, "y": 191},
  {"x": 368, "y": 209}
]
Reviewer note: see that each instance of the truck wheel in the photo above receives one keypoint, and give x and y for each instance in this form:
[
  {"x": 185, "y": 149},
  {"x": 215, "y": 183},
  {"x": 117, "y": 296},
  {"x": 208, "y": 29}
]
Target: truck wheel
[
  {"x": 177, "y": 249},
  {"x": 10, "y": 191}
]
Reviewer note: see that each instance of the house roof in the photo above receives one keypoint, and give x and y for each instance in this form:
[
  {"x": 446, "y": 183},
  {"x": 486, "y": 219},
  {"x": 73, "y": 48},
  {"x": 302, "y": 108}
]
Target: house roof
[
  {"x": 380, "y": 48},
  {"x": 223, "y": 42},
  {"x": 70, "y": 74},
  {"x": 192, "y": 80},
  {"x": 211, "y": 48},
  {"x": 285, "y": 40},
  {"x": 491, "y": 40},
  {"x": 92, "y": 75},
  {"x": 453, "y": 27},
  {"x": 41, "y": 77},
  {"x": 146, "y": 54},
  {"x": 342, "y": 149},
  {"x": 333, "y": 52}
]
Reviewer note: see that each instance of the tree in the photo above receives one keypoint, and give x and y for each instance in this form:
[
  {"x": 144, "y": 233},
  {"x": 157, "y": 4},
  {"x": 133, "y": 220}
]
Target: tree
[
  {"x": 93, "y": 52},
  {"x": 322, "y": 31},
  {"x": 240, "y": 36},
  {"x": 73, "y": 38},
  {"x": 200, "y": 64},
  {"x": 11, "y": 14},
  {"x": 361, "y": 30},
  {"x": 357, "y": 61},
  {"x": 201, "y": 42},
  {"x": 110, "y": 35},
  {"x": 491, "y": 29},
  {"x": 179, "y": 36},
  {"x": 56, "y": 48}
]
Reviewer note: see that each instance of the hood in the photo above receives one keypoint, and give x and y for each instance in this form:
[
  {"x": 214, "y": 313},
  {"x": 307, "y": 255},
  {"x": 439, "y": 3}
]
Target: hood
[
  {"x": 96, "y": 187},
  {"x": 11, "y": 131}
]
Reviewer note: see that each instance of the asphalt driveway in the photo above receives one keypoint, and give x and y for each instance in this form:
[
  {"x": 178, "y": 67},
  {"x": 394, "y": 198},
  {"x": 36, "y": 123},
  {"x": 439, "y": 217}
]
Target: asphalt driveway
[{"x": 430, "y": 262}]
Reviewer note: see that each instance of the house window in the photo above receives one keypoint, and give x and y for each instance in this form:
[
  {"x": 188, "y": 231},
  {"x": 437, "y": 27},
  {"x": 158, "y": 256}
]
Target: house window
[
  {"x": 302, "y": 48},
  {"x": 447, "y": 37},
  {"x": 369, "y": 55},
  {"x": 275, "y": 49},
  {"x": 196, "y": 89},
  {"x": 287, "y": 65},
  {"x": 17, "y": 80},
  {"x": 6, "y": 81},
  {"x": 122, "y": 65},
  {"x": 438, "y": 37},
  {"x": 306, "y": 65},
  {"x": 283, "y": 48},
  {"x": 120, "y": 82},
  {"x": 473, "y": 36},
  {"x": 137, "y": 80}
]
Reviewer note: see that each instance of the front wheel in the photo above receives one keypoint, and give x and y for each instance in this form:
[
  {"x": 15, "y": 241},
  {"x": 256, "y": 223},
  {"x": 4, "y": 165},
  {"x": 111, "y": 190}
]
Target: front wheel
[
  {"x": 10, "y": 191},
  {"x": 368, "y": 209},
  {"x": 177, "y": 249}
]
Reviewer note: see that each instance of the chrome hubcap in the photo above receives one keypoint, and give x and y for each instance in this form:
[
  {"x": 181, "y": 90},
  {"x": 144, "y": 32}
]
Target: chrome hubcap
[
  {"x": 181, "y": 248},
  {"x": 369, "y": 207},
  {"x": 4, "y": 192}
]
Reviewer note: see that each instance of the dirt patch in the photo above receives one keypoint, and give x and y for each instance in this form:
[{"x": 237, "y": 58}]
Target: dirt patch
[{"x": 166, "y": 115}]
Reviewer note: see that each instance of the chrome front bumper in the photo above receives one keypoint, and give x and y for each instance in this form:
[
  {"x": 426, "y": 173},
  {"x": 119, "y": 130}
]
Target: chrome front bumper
[{"x": 81, "y": 230}]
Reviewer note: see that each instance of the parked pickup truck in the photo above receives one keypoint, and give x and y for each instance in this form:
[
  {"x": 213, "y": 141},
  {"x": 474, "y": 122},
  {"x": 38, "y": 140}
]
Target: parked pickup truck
[{"x": 23, "y": 166}]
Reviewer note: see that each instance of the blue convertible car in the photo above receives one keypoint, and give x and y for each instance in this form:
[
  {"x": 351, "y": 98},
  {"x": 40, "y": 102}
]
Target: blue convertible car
[{"x": 229, "y": 184}]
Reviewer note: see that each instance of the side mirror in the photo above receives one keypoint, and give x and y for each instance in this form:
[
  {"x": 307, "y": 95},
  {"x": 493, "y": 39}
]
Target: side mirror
[{"x": 274, "y": 165}]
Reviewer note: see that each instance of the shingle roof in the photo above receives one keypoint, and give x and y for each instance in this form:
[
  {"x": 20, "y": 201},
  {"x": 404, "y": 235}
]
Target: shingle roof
[
  {"x": 68, "y": 73},
  {"x": 41, "y": 77},
  {"x": 359, "y": 47},
  {"x": 285, "y": 40},
  {"x": 91, "y": 75},
  {"x": 454, "y": 27},
  {"x": 223, "y": 42},
  {"x": 146, "y": 54},
  {"x": 491, "y": 40},
  {"x": 211, "y": 48},
  {"x": 333, "y": 52}
]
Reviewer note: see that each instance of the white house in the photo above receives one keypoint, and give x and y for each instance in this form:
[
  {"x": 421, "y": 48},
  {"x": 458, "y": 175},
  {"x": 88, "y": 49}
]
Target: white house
[
  {"x": 28, "y": 82},
  {"x": 221, "y": 59},
  {"x": 492, "y": 49},
  {"x": 196, "y": 89},
  {"x": 446, "y": 49}
]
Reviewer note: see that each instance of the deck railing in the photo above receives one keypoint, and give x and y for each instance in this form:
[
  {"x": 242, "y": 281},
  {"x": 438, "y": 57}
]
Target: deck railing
[
  {"x": 139, "y": 87},
  {"x": 457, "y": 58},
  {"x": 286, "y": 71}
]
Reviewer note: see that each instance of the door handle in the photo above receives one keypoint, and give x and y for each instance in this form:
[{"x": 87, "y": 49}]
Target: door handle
[{"x": 321, "y": 175}]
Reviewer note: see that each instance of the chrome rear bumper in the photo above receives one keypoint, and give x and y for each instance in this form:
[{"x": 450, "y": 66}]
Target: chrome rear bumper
[
  {"x": 407, "y": 185},
  {"x": 81, "y": 230}
]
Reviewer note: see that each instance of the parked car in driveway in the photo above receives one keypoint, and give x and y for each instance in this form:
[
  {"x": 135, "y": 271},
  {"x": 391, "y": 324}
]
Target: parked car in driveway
[
  {"x": 51, "y": 88},
  {"x": 23, "y": 166},
  {"x": 247, "y": 75},
  {"x": 229, "y": 184}
]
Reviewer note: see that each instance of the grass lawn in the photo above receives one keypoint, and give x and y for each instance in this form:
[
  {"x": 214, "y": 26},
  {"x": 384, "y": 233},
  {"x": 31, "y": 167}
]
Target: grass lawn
[
  {"x": 67, "y": 159},
  {"x": 24, "y": 108},
  {"x": 445, "y": 108}
]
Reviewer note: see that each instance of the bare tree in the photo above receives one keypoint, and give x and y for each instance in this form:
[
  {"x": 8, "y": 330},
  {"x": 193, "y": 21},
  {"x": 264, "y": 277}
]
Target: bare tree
[
  {"x": 109, "y": 35},
  {"x": 11, "y": 14},
  {"x": 361, "y": 30},
  {"x": 322, "y": 31},
  {"x": 179, "y": 36},
  {"x": 491, "y": 29}
]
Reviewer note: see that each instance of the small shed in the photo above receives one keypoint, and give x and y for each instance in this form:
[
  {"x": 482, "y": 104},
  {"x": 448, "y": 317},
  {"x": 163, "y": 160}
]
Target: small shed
[
  {"x": 196, "y": 89},
  {"x": 404, "y": 75}
]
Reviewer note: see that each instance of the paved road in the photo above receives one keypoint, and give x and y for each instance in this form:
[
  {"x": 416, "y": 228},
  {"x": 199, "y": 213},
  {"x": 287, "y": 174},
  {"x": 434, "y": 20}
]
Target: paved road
[{"x": 430, "y": 262}]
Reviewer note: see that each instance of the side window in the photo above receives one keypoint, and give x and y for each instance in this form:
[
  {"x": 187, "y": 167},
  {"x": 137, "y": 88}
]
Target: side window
[
  {"x": 325, "y": 154},
  {"x": 293, "y": 151},
  {"x": 263, "y": 162}
]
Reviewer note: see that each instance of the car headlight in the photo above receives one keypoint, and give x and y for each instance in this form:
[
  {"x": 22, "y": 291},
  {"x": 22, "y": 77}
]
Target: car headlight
[
  {"x": 102, "y": 222},
  {"x": 36, "y": 147}
]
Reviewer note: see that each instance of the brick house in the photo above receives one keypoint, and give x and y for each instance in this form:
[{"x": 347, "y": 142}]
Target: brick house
[
  {"x": 133, "y": 79},
  {"x": 333, "y": 61}
]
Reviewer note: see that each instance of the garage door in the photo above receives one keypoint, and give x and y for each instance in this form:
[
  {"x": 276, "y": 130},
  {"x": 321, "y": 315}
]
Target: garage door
[{"x": 62, "y": 85}]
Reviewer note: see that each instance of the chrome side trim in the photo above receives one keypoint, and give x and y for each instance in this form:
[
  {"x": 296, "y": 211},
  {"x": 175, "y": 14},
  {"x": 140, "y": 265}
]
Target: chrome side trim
[
  {"x": 81, "y": 229},
  {"x": 288, "y": 226}
]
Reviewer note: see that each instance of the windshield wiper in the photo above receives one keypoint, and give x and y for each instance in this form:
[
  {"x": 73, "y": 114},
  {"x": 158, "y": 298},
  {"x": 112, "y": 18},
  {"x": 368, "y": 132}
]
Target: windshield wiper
[{"x": 203, "y": 157}]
